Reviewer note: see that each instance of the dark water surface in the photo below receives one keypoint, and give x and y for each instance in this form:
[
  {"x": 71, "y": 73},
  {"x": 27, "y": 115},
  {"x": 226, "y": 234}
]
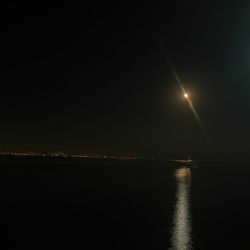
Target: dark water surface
[{"x": 129, "y": 205}]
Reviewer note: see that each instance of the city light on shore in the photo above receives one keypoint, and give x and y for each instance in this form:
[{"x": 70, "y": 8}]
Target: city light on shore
[{"x": 66, "y": 155}]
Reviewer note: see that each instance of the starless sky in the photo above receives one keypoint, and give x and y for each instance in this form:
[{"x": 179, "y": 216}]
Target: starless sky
[{"x": 93, "y": 78}]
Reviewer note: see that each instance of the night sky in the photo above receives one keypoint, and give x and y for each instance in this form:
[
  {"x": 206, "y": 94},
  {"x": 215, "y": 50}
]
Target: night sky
[{"x": 93, "y": 78}]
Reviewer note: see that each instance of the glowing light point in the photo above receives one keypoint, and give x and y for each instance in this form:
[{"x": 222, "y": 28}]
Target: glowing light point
[{"x": 186, "y": 95}]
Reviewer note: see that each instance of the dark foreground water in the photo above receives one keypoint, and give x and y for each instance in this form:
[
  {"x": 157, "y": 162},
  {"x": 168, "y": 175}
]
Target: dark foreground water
[{"x": 96, "y": 205}]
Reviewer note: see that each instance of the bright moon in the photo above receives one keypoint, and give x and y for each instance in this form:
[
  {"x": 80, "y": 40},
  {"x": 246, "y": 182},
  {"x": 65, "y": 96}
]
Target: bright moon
[{"x": 186, "y": 95}]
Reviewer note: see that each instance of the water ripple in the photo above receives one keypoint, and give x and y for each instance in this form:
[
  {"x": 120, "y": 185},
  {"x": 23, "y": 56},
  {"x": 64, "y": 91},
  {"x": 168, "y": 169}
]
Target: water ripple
[{"x": 182, "y": 231}]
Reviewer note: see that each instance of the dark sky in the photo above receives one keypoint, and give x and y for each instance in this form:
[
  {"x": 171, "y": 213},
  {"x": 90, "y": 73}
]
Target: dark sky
[{"x": 93, "y": 78}]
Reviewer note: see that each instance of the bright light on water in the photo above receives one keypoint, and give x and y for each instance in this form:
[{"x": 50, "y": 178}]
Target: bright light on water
[{"x": 181, "y": 231}]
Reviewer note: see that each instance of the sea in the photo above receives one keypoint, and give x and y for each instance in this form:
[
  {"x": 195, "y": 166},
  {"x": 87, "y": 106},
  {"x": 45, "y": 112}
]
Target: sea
[{"x": 112, "y": 204}]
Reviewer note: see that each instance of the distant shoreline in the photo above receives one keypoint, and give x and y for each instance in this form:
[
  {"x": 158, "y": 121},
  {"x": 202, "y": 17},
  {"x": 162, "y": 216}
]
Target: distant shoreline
[{"x": 99, "y": 160}]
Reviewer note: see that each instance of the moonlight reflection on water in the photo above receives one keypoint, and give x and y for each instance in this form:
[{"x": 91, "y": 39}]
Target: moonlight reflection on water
[{"x": 181, "y": 231}]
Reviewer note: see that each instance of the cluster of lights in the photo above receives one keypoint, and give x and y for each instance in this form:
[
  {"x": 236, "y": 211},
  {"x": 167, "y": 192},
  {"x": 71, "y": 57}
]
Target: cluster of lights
[
  {"x": 28, "y": 154},
  {"x": 63, "y": 155}
]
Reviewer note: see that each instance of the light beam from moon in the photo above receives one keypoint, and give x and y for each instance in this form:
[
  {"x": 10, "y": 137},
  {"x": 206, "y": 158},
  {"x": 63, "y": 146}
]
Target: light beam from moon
[
  {"x": 178, "y": 80},
  {"x": 196, "y": 115}
]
